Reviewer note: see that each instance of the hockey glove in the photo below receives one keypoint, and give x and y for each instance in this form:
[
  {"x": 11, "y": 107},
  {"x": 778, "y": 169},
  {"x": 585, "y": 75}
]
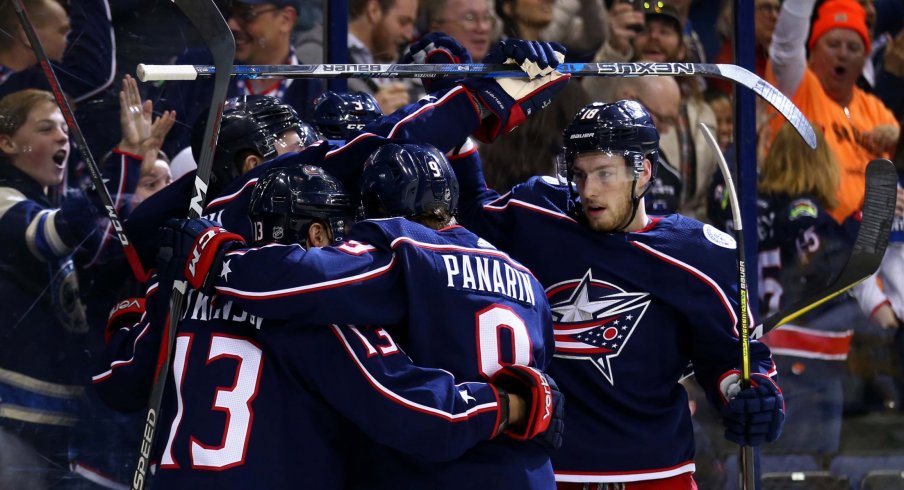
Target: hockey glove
[
  {"x": 123, "y": 314},
  {"x": 77, "y": 221},
  {"x": 438, "y": 48},
  {"x": 198, "y": 246},
  {"x": 510, "y": 100},
  {"x": 546, "y": 405},
  {"x": 753, "y": 415}
]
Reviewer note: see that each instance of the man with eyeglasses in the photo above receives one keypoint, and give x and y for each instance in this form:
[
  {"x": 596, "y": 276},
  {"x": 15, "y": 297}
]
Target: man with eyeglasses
[
  {"x": 470, "y": 22},
  {"x": 377, "y": 31},
  {"x": 262, "y": 31}
]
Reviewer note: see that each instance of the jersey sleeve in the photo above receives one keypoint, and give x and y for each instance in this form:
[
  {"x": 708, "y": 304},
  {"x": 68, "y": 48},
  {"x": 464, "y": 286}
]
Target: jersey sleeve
[
  {"x": 710, "y": 302},
  {"x": 121, "y": 173},
  {"x": 368, "y": 379},
  {"x": 34, "y": 231},
  {"x": 443, "y": 119},
  {"x": 352, "y": 283},
  {"x": 125, "y": 373}
]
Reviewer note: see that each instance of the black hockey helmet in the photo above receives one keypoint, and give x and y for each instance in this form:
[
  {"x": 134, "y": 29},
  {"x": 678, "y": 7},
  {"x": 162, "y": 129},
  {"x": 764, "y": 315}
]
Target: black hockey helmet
[
  {"x": 621, "y": 128},
  {"x": 240, "y": 131},
  {"x": 407, "y": 180},
  {"x": 341, "y": 116},
  {"x": 286, "y": 200}
]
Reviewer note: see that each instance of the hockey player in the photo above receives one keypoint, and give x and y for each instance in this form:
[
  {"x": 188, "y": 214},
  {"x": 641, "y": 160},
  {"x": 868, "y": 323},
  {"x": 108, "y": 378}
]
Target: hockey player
[
  {"x": 634, "y": 299},
  {"x": 254, "y": 129},
  {"x": 407, "y": 256},
  {"x": 268, "y": 403},
  {"x": 339, "y": 117},
  {"x": 43, "y": 318}
]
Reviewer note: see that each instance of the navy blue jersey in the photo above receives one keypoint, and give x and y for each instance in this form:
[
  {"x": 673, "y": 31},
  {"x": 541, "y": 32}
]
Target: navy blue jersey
[
  {"x": 458, "y": 302},
  {"x": 43, "y": 326},
  {"x": 801, "y": 247},
  {"x": 630, "y": 310},
  {"x": 270, "y": 404}
]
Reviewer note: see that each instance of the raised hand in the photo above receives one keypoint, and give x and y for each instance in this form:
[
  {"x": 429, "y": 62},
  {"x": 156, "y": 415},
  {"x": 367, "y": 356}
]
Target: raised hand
[
  {"x": 510, "y": 100},
  {"x": 141, "y": 135}
]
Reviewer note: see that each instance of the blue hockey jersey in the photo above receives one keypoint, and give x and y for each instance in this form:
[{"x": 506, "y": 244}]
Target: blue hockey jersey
[
  {"x": 801, "y": 247},
  {"x": 630, "y": 310},
  {"x": 254, "y": 403},
  {"x": 458, "y": 303}
]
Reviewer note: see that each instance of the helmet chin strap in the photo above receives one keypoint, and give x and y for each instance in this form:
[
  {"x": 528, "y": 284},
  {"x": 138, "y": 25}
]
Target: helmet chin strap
[{"x": 635, "y": 202}]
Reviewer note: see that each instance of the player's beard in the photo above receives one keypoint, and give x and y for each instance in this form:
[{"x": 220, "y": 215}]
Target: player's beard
[{"x": 615, "y": 216}]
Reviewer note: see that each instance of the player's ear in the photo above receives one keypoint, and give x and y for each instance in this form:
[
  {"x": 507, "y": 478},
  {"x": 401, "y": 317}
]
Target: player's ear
[
  {"x": 647, "y": 173},
  {"x": 318, "y": 235},
  {"x": 250, "y": 162}
]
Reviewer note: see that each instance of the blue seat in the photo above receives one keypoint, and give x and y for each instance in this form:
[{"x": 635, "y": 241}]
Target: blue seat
[
  {"x": 803, "y": 480},
  {"x": 857, "y": 466},
  {"x": 771, "y": 463},
  {"x": 883, "y": 480}
]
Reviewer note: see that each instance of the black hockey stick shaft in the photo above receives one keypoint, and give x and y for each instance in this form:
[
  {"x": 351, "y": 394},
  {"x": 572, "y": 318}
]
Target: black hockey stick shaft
[
  {"x": 748, "y": 470},
  {"x": 212, "y": 27},
  {"x": 867, "y": 252},
  {"x": 76, "y": 133},
  {"x": 735, "y": 73}
]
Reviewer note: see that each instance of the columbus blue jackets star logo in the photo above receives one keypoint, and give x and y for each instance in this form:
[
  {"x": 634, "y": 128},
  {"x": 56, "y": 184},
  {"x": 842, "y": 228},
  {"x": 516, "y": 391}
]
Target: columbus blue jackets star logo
[
  {"x": 593, "y": 320},
  {"x": 226, "y": 270}
]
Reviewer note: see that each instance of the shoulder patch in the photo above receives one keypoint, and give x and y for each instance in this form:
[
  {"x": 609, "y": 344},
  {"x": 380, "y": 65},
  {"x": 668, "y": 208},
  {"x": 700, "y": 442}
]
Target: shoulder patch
[
  {"x": 551, "y": 180},
  {"x": 718, "y": 237},
  {"x": 485, "y": 244},
  {"x": 802, "y": 208}
]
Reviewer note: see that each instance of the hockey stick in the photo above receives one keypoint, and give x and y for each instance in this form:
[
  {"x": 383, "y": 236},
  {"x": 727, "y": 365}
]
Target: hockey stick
[
  {"x": 212, "y": 27},
  {"x": 748, "y": 471},
  {"x": 735, "y": 73},
  {"x": 76, "y": 133},
  {"x": 868, "y": 250}
]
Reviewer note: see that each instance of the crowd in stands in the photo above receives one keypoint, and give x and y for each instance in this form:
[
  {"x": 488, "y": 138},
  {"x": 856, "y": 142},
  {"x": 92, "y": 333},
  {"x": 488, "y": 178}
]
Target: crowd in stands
[{"x": 62, "y": 268}]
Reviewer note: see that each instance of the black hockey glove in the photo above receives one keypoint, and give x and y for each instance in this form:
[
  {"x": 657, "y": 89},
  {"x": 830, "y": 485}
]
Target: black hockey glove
[
  {"x": 753, "y": 415},
  {"x": 196, "y": 249},
  {"x": 544, "y": 423},
  {"x": 438, "y": 48}
]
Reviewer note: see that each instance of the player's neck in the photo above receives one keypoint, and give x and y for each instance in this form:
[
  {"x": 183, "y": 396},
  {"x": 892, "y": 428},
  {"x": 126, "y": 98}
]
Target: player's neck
[{"x": 640, "y": 221}]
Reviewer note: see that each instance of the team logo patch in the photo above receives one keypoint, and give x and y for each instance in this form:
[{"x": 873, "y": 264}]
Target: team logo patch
[
  {"x": 719, "y": 238},
  {"x": 802, "y": 208},
  {"x": 593, "y": 320}
]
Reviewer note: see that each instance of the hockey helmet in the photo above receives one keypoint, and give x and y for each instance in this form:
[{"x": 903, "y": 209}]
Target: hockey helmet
[
  {"x": 341, "y": 116},
  {"x": 621, "y": 128},
  {"x": 407, "y": 180},
  {"x": 286, "y": 200},
  {"x": 240, "y": 131}
]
